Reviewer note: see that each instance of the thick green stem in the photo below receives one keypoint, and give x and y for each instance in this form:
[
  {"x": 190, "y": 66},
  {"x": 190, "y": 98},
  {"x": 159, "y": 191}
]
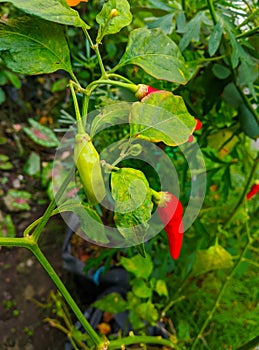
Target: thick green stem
[
  {"x": 221, "y": 292},
  {"x": 66, "y": 295},
  {"x": 145, "y": 339},
  {"x": 23, "y": 242},
  {"x": 52, "y": 205},
  {"x": 80, "y": 126}
]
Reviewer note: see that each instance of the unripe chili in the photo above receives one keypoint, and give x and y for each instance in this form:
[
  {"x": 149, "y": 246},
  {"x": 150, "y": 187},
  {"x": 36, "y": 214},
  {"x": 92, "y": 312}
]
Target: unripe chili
[{"x": 87, "y": 161}]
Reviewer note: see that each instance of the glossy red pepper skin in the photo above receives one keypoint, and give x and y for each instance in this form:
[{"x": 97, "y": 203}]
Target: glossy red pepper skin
[
  {"x": 170, "y": 211},
  {"x": 197, "y": 127},
  {"x": 253, "y": 191}
]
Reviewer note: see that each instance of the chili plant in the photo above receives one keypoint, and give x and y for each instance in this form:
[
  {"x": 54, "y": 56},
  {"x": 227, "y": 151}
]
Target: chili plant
[{"x": 173, "y": 56}]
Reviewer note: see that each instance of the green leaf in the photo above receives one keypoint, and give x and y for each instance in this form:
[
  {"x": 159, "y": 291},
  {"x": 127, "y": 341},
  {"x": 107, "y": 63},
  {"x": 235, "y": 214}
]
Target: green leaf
[
  {"x": 157, "y": 54},
  {"x": 220, "y": 71},
  {"x": 4, "y": 162},
  {"x": 192, "y": 31},
  {"x": 161, "y": 288},
  {"x": 41, "y": 134},
  {"x": 162, "y": 116},
  {"x": 90, "y": 221},
  {"x": 114, "y": 15},
  {"x": 34, "y": 46},
  {"x": 148, "y": 312},
  {"x": 14, "y": 79},
  {"x": 216, "y": 257},
  {"x": 7, "y": 228},
  {"x": 2, "y": 96},
  {"x": 17, "y": 200},
  {"x": 140, "y": 289},
  {"x": 133, "y": 204},
  {"x": 32, "y": 165},
  {"x": 51, "y": 10},
  {"x": 248, "y": 123},
  {"x": 165, "y": 23},
  {"x": 215, "y": 38},
  {"x": 113, "y": 114},
  {"x": 59, "y": 85},
  {"x": 112, "y": 303},
  {"x": 138, "y": 266}
]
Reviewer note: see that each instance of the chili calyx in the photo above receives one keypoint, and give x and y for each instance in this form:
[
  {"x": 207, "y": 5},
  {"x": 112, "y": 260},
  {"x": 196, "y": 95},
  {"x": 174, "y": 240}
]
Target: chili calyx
[
  {"x": 144, "y": 90},
  {"x": 170, "y": 211}
]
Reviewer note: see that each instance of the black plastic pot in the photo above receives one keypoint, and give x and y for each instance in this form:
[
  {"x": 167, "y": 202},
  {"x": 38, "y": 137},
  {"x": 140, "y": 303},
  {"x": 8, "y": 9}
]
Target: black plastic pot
[
  {"x": 95, "y": 281},
  {"x": 119, "y": 323}
]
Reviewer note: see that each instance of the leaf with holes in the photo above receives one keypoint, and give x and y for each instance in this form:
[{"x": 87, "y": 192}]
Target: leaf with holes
[
  {"x": 114, "y": 15},
  {"x": 157, "y": 54},
  {"x": 162, "y": 116},
  {"x": 133, "y": 204}
]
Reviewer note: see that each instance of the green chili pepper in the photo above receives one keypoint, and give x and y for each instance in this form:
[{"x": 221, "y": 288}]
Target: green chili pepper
[{"x": 87, "y": 161}]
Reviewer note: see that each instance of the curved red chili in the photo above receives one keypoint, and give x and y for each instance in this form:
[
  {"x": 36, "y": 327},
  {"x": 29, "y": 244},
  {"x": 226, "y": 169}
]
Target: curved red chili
[{"x": 170, "y": 211}]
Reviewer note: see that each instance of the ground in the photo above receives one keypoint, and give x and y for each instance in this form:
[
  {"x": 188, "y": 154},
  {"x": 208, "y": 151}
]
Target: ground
[{"x": 23, "y": 280}]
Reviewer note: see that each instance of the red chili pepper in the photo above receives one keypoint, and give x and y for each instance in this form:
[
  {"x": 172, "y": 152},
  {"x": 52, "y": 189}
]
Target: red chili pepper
[
  {"x": 170, "y": 211},
  {"x": 254, "y": 189},
  {"x": 197, "y": 127},
  {"x": 144, "y": 90}
]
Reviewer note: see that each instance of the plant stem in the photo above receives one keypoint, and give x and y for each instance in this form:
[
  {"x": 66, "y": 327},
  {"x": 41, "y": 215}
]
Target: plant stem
[
  {"x": 23, "y": 242},
  {"x": 248, "y": 19},
  {"x": 129, "y": 86},
  {"x": 95, "y": 47},
  {"x": 220, "y": 294},
  {"x": 34, "y": 248},
  {"x": 135, "y": 339},
  {"x": 212, "y": 11},
  {"x": 80, "y": 126},
  {"x": 118, "y": 76},
  {"x": 243, "y": 195},
  {"x": 52, "y": 205},
  {"x": 248, "y": 33}
]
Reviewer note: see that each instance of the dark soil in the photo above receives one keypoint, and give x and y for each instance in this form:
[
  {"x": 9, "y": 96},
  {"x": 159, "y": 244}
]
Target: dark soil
[{"x": 23, "y": 282}]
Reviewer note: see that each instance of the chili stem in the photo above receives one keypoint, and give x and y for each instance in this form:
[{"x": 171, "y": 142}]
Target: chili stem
[{"x": 80, "y": 126}]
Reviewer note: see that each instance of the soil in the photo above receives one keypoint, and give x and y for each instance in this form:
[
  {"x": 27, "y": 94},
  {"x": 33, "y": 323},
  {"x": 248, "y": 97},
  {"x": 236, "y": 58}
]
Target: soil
[{"x": 23, "y": 282}]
